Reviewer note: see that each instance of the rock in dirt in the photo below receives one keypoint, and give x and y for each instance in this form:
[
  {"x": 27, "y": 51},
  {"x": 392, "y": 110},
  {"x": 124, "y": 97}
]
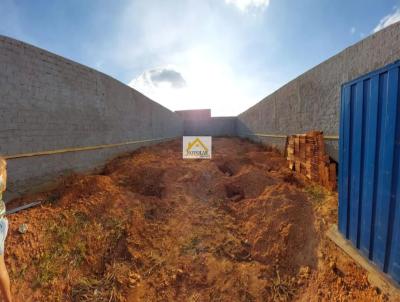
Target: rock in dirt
[{"x": 23, "y": 228}]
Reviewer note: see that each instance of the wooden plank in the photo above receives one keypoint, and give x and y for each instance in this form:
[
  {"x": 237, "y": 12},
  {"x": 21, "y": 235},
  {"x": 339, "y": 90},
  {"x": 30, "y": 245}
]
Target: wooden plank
[
  {"x": 332, "y": 172},
  {"x": 297, "y": 166}
]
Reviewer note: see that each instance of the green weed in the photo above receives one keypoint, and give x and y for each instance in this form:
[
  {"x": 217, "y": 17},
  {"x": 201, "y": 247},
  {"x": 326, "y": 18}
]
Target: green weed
[{"x": 316, "y": 193}]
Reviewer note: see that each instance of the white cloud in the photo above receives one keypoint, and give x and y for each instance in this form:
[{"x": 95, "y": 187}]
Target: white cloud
[
  {"x": 166, "y": 77},
  {"x": 352, "y": 30},
  {"x": 244, "y": 5},
  {"x": 388, "y": 20},
  {"x": 169, "y": 93},
  {"x": 157, "y": 46},
  {"x": 186, "y": 61},
  {"x": 209, "y": 82}
]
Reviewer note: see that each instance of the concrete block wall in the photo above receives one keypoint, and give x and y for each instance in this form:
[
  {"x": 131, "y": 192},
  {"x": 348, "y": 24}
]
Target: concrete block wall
[
  {"x": 312, "y": 101},
  {"x": 200, "y": 122},
  {"x": 48, "y": 103},
  {"x": 214, "y": 126},
  {"x": 194, "y": 114}
]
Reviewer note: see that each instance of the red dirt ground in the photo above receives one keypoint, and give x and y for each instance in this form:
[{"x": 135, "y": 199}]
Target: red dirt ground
[{"x": 154, "y": 227}]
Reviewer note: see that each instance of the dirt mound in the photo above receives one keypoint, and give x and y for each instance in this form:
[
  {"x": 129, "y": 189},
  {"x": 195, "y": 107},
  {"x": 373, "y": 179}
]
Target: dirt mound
[
  {"x": 154, "y": 227},
  {"x": 278, "y": 228},
  {"x": 83, "y": 186},
  {"x": 138, "y": 174},
  {"x": 143, "y": 180},
  {"x": 254, "y": 181}
]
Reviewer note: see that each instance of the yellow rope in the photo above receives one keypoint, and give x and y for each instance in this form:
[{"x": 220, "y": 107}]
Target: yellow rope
[
  {"x": 331, "y": 137},
  {"x": 76, "y": 149},
  {"x": 270, "y": 135},
  {"x": 326, "y": 137}
]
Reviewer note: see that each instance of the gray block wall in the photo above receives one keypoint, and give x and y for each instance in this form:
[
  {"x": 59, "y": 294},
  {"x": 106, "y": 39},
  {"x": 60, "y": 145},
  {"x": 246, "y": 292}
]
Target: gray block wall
[
  {"x": 214, "y": 126},
  {"x": 48, "y": 103},
  {"x": 312, "y": 101},
  {"x": 200, "y": 122}
]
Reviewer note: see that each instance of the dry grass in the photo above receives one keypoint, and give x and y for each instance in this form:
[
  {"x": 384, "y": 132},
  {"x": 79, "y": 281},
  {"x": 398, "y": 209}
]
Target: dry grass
[
  {"x": 316, "y": 193},
  {"x": 281, "y": 289}
]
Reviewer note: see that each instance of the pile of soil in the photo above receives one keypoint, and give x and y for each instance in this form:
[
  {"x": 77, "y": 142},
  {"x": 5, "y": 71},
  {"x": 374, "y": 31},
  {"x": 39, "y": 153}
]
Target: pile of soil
[{"x": 155, "y": 227}]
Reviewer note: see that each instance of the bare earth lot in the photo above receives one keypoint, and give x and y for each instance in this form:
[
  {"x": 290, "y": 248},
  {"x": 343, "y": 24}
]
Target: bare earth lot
[{"x": 154, "y": 227}]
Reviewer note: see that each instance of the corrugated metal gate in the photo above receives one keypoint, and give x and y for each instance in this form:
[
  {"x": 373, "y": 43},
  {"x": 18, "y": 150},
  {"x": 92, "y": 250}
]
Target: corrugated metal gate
[{"x": 369, "y": 175}]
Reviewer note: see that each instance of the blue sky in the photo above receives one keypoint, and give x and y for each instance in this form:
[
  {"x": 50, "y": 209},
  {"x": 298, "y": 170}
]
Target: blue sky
[{"x": 220, "y": 54}]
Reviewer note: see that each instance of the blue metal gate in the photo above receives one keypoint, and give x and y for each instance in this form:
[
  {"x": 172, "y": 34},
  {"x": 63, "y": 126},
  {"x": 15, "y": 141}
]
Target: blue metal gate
[{"x": 369, "y": 175}]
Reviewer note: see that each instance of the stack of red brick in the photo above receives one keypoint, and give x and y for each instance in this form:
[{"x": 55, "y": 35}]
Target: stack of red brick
[{"x": 306, "y": 155}]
